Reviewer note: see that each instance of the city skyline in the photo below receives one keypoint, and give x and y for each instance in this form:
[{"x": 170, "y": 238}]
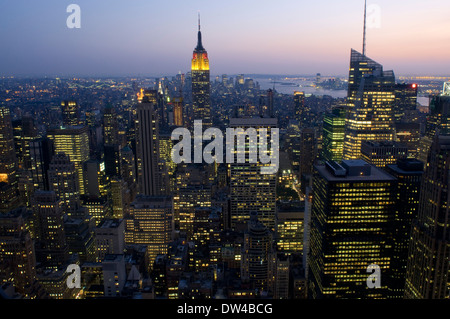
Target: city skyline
[
  {"x": 119, "y": 38},
  {"x": 101, "y": 198}
]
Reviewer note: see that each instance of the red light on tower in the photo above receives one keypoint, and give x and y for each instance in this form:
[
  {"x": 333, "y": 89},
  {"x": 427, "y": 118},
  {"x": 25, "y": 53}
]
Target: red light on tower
[{"x": 414, "y": 86}]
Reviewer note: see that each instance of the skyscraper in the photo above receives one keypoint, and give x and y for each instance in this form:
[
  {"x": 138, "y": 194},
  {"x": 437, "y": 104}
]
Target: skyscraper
[
  {"x": 438, "y": 119},
  {"x": 307, "y": 151},
  {"x": 110, "y": 125},
  {"x": 428, "y": 268},
  {"x": 17, "y": 254},
  {"x": 70, "y": 113},
  {"x": 333, "y": 135},
  {"x": 51, "y": 246},
  {"x": 74, "y": 142},
  {"x": 371, "y": 97},
  {"x": 63, "y": 180},
  {"x": 8, "y": 160},
  {"x": 178, "y": 112},
  {"x": 351, "y": 228},
  {"x": 257, "y": 255},
  {"x": 250, "y": 190},
  {"x": 147, "y": 145},
  {"x": 24, "y": 131},
  {"x": 150, "y": 223},
  {"x": 409, "y": 175},
  {"x": 405, "y": 100},
  {"x": 41, "y": 153},
  {"x": 200, "y": 83},
  {"x": 383, "y": 153},
  {"x": 299, "y": 107},
  {"x": 270, "y": 111}
]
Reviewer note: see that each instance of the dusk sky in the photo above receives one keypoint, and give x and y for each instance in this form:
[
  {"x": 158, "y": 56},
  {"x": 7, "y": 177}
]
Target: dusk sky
[{"x": 143, "y": 37}]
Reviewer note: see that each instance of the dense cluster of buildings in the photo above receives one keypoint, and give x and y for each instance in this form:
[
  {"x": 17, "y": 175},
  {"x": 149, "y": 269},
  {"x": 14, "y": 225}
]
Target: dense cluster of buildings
[{"x": 362, "y": 181}]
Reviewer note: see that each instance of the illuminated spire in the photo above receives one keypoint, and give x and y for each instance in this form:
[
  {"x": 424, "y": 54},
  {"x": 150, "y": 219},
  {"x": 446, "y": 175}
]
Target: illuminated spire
[
  {"x": 364, "y": 32},
  {"x": 199, "y": 47}
]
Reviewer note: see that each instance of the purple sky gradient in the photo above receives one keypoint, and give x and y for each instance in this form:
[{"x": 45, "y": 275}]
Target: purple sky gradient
[{"x": 142, "y": 37}]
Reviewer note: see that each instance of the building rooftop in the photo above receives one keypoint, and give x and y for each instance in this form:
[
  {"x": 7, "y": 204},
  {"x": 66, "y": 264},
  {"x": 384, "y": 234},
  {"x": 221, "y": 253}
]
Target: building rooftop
[{"x": 352, "y": 171}]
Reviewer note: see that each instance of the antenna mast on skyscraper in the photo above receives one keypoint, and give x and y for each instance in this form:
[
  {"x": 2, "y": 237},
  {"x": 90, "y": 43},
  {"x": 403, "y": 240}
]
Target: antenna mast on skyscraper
[
  {"x": 199, "y": 20},
  {"x": 364, "y": 32}
]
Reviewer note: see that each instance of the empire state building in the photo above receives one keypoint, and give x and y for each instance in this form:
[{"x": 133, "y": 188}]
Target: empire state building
[{"x": 200, "y": 83}]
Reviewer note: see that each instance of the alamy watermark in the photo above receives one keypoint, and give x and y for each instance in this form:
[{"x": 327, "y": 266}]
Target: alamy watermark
[
  {"x": 374, "y": 279},
  {"x": 74, "y": 19},
  {"x": 248, "y": 145},
  {"x": 373, "y": 16}
]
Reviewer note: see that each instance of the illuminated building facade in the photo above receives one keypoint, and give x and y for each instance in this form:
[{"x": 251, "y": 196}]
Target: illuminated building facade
[
  {"x": 409, "y": 135},
  {"x": 63, "y": 181},
  {"x": 299, "y": 108},
  {"x": 74, "y": 142},
  {"x": 250, "y": 190},
  {"x": 289, "y": 229},
  {"x": 428, "y": 267},
  {"x": 371, "y": 97},
  {"x": 333, "y": 135},
  {"x": 189, "y": 198},
  {"x": 70, "y": 113},
  {"x": 110, "y": 125},
  {"x": 149, "y": 223},
  {"x": 200, "y": 83},
  {"x": 383, "y": 153},
  {"x": 353, "y": 208},
  {"x": 99, "y": 208},
  {"x": 17, "y": 255},
  {"x": 8, "y": 160}
]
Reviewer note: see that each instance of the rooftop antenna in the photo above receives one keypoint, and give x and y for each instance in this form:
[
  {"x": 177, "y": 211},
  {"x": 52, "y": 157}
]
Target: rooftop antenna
[
  {"x": 199, "y": 20},
  {"x": 364, "y": 33}
]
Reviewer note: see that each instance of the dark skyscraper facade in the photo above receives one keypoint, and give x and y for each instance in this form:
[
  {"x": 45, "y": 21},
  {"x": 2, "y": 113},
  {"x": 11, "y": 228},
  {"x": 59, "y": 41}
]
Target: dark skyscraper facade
[
  {"x": 405, "y": 100},
  {"x": 147, "y": 144},
  {"x": 408, "y": 173},
  {"x": 428, "y": 268}
]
